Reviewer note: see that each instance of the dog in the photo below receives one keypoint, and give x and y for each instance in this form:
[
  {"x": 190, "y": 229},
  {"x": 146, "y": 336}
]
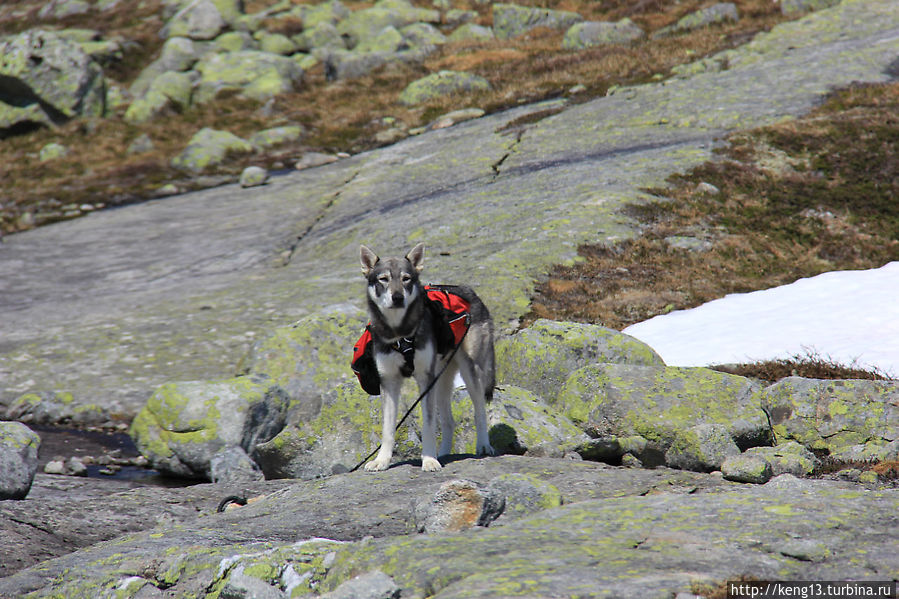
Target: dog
[{"x": 402, "y": 319}]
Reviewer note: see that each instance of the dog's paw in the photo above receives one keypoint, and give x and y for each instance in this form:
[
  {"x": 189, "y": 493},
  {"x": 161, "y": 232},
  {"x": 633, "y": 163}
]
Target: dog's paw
[
  {"x": 377, "y": 465},
  {"x": 486, "y": 449},
  {"x": 429, "y": 464}
]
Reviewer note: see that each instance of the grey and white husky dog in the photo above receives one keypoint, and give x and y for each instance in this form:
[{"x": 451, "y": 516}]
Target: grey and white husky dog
[{"x": 400, "y": 317}]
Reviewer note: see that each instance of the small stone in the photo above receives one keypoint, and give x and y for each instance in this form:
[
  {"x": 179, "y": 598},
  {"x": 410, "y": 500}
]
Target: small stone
[
  {"x": 55, "y": 467},
  {"x": 52, "y": 151},
  {"x": 75, "y": 467},
  {"x": 458, "y": 505},
  {"x": 140, "y": 145},
  {"x": 707, "y": 189},
  {"x": 253, "y": 176},
  {"x": 746, "y": 469},
  {"x": 313, "y": 159},
  {"x": 457, "y": 116}
]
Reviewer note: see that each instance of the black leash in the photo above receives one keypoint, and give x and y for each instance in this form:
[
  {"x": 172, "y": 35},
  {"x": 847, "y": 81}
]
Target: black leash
[{"x": 420, "y": 397}]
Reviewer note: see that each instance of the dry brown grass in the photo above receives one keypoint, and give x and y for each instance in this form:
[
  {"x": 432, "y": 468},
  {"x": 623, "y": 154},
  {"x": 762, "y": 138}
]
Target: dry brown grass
[
  {"x": 343, "y": 116},
  {"x": 797, "y": 199}
]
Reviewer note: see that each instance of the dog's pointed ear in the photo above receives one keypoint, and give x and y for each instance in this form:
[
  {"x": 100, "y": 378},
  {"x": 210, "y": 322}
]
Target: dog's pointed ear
[
  {"x": 368, "y": 259},
  {"x": 417, "y": 257}
]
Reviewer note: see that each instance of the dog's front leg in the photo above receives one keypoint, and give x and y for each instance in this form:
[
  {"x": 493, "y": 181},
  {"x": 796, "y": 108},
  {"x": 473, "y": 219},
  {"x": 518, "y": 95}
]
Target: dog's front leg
[
  {"x": 390, "y": 399},
  {"x": 429, "y": 409}
]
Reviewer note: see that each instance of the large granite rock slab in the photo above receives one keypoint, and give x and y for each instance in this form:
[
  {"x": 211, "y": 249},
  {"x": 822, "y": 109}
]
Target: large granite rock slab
[
  {"x": 113, "y": 305},
  {"x": 582, "y": 529}
]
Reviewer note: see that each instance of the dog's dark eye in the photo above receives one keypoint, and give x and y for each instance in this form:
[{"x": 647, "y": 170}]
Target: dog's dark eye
[
  {"x": 384, "y": 279},
  {"x": 406, "y": 278}
]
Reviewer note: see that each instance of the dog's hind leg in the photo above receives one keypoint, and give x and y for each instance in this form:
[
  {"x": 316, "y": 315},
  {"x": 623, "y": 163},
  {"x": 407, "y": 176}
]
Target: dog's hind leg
[
  {"x": 443, "y": 395},
  {"x": 476, "y": 383},
  {"x": 390, "y": 398}
]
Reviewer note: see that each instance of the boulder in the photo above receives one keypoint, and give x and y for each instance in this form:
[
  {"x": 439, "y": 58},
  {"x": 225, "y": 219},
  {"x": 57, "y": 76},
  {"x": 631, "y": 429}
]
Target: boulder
[
  {"x": 422, "y": 36},
  {"x": 793, "y": 7},
  {"x": 254, "y": 74},
  {"x": 276, "y": 43},
  {"x": 60, "y": 9},
  {"x": 369, "y": 22},
  {"x": 337, "y": 430},
  {"x": 710, "y": 15},
  {"x": 511, "y": 20},
  {"x": 184, "y": 426},
  {"x": 232, "y": 465},
  {"x": 701, "y": 448},
  {"x": 599, "y": 33},
  {"x": 177, "y": 54},
  {"x": 209, "y": 147},
  {"x": 313, "y": 15},
  {"x": 309, "y": 357},
  {"x": 350, "y": 65},
  {"x": 55, "y": 408},
  {"x": 322, "y": 35},
  {"x": 47, "y": 79},
  {"x": 442, "y": 83},
  {"x": 170, "y": 92},
  {"x": 456, "y": 17},
  {"x": 651, "y": 412},
  {"x": 18, "y": 459},
  {"x": 786, "y": 458},
  {"x": 198, "y": 20},
  {"x": 843, "y": 417},
  {"x": 234, "y": 41},
  {"x": 459, "y": 505},
  {"x": 386, "y": 40},
  {"x": 747, "y": 468},
  {"x": 542, "y": 357},
  {"x": 270, "y": 138},
  {"x": 471, "y": 31}
]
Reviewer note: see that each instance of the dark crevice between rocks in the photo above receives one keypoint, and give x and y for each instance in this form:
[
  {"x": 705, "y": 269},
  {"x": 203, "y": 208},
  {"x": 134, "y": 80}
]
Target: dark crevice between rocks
[
  {"x": 287, "y": 255},
  {"x": 513, "y": 147}
]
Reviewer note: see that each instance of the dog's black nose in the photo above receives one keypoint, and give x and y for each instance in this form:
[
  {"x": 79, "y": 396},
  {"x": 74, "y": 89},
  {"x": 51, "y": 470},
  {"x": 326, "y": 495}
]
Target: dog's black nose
[{"x": 398, "y": 300}]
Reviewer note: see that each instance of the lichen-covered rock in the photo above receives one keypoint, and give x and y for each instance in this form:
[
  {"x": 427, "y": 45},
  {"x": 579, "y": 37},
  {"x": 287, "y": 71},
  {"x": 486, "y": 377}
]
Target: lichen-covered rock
[
  {"x": 209, "y": 147},
  {"x": 177, "y": 54},
  {"x": 834, "y": 415},
  {"x": 599, "y": 33},
  {"x": 747, "y": 468},
  {"x": 701, "y": 448},
  {"x": 350, "y": 65},
  {"x": 422, "y": 36},
  {"x": 198, "y": 20},
  {"x": 234, "y": 41},
  {"x": 59, "y": 9},
  {"x": 648, "y": 410},
  {"x": 792, "y": 7},
  {"x": 254, "y": 74},
  {"x": 171, "y": 91},
  {"x": 52, "y": 151},
  {"x": 276, "y": 43},
  {"x": 510, "y": 20},
  {"x": 786, "y": 458},
  {"x": 253, "y": 176},
  {"x": 524, "y": 494},
  {"x": 471, "y": 31},
  {"x": 184, "y": 425},
  {"x": 542, "y": 357},
  {"x": 710, "y": 15},
  {"x": 367, "y": 23},
  {"x": 309, "y": 357},
  {"x": 270, "y": 138},
  {"x": 232, "y": 465},
  {"x": 442, "y": 83},
  {"x": 459, "y": 505},
  {"x": 43, "y": 70},
  {"x": 456, "y": 17},
  {"x": 57, "y": 408},
  {"x": 312, "y": 15},
  {"x": 371, "y": 585},
  {"x": 323, "y": 35},
  {"x": 18, "y": 459},
  {"x": 519, "y": 423},
  {"x": 386, "y": 40}
]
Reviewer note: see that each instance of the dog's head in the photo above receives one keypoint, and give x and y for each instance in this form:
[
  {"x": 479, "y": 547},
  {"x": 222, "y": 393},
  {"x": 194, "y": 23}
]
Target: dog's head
[{"x": 392, "y": 282}]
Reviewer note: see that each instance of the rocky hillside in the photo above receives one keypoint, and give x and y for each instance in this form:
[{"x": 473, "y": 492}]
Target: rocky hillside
[{"x": 217, "y": 327}]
